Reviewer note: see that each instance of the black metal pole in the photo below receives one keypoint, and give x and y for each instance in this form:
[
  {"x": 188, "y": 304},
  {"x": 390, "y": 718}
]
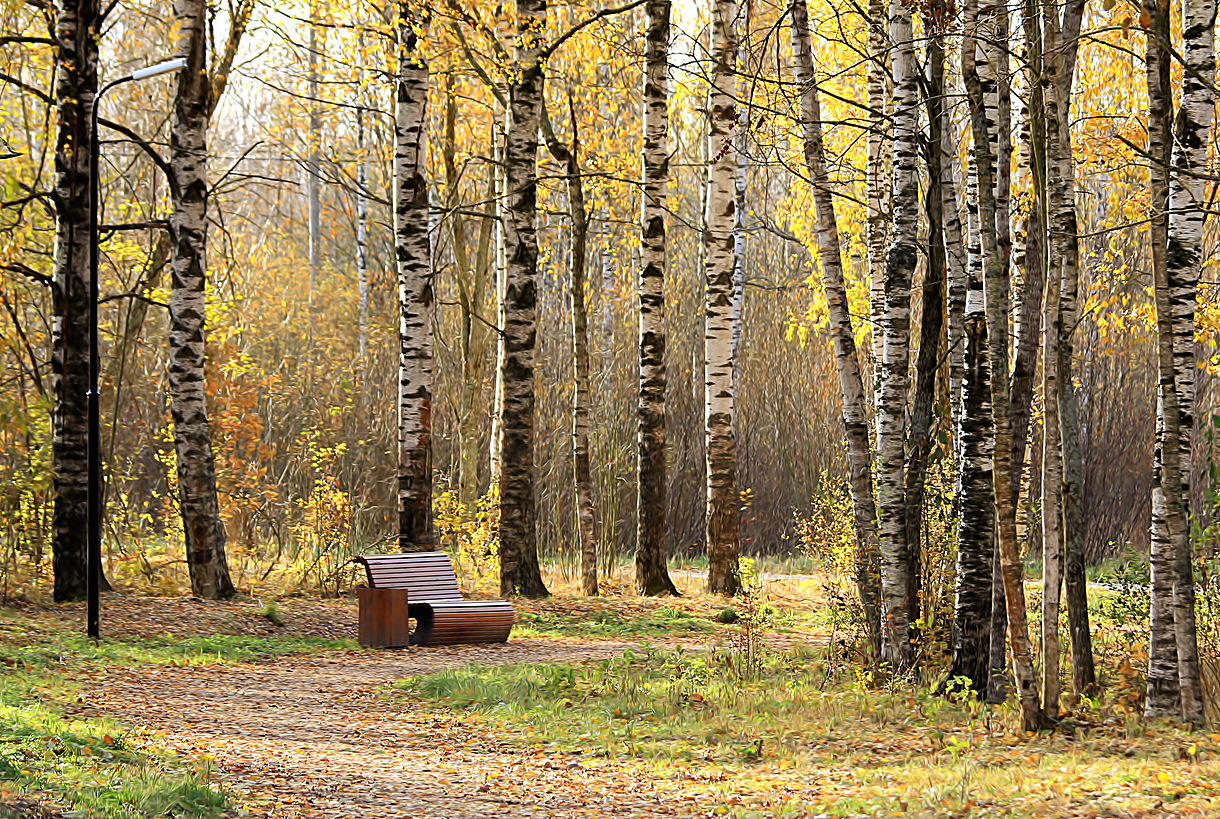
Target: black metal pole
[{"x": 94, "y": 580}]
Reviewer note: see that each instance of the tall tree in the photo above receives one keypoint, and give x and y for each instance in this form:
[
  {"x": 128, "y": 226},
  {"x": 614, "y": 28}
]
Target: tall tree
[
  {"x": 651, "y": 573},
  {"x": 995, "y": 297},
  {"x": 1177, "y": 220},
  {"x": 1163, "y": 694},
  {"x": 196, "y": 93},
  {"x": 847, "y": 359},
  {"x": 1066, "y": 248},
  {"x": 413, "y": 254},
  {"x": 519, "y": 570},
  {"x": 723, "y": 518},
  {"x": 900, "y": 261},
  {"x": 1184, "y": 260},
  {"x": 568, "y": 158},
  {"x": 76, "y": 45}
]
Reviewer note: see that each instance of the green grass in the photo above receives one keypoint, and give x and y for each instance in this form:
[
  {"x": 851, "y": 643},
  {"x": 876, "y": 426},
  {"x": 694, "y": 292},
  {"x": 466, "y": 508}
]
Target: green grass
[
  {"x": 90, "y": 767},
  {"x": 786, "y": 737},
  {"x": 665, "y": 621}
]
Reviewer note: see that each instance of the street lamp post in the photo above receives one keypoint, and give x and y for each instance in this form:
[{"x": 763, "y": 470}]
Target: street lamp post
[{"x": 94, "y": 581}]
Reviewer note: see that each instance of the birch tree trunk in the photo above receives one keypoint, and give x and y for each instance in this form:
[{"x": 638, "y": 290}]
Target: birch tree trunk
[
  {"x": 651, "y": 573},
  {"x": 878, "y": 179},
  {"x": 1163, "y": 695},
  {"x": 932, "y": 309},
  {"x": 193, "y": 105},
  {"x": 313, "y": 167},
  {"x": 1052, "y": 380},
  {"x": 718, "y": 240},
  {"x": 901, "y": 258},
  {"x": 1001, "y": 410},
  {"x": 76, "y": 48},
  {"x": 1184, "y": 257},
  {"x": 519, "y": 570},
  {"x": 569, "y": 160},
  {"x": 851, "y": 385},
  {"x": 1083, "y": 673},
  {"x": 413, "y": 257}
]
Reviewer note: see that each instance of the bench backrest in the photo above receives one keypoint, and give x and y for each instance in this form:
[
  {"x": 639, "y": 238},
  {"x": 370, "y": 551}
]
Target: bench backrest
[{"x": 425, "y": 575}]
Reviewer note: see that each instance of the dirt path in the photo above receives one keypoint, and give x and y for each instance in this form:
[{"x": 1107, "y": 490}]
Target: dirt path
[{"x": 316, "y": 737}]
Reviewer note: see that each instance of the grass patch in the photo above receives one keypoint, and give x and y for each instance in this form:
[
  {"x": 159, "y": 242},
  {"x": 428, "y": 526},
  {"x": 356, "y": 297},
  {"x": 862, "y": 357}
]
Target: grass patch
[
  {"x": 664, "y": 621},
  {"x": 764, "y": 734}
]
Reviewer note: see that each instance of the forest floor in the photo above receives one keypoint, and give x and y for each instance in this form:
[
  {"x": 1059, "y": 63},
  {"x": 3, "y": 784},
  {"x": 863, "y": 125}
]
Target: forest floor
[{"x": 614, "y": 706}]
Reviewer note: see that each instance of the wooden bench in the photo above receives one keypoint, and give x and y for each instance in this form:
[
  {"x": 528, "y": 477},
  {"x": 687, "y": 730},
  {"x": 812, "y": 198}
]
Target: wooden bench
[{"x": 435, "y": 603}]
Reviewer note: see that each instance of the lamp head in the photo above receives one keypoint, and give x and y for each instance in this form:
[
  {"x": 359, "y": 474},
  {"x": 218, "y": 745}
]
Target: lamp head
[{"x": 176, "y": 64}]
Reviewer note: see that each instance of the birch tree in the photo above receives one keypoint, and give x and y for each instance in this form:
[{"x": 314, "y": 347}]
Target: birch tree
[
  {"x": 997, "y": 341},
  {"x": 519, "y": 570},
  {"x": 1184, "y": 259},
  {"x": 847, "y": 360},
  {"x": 76, "y": 48},
  {"x": 722, "y": 529},
  {"x": 651, "y": 574},
  {"x": 900, "y": 261},
  {"x": 413, "y": 257},
  {"x": 568, "y": 158},
  {"x": 197, "y": 90}
]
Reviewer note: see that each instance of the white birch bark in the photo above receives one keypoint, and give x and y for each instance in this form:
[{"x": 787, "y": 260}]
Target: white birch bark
[
  {"x": 519, "y": 570},
  {"x": 1163, "y": 696},
  {"x": 413, "y": 256},
  {"x": 722, "y": 530},
  {"x": 193, "y": 105},
  {"x": 651, "y": 572},
  {"x": 901, "y": 258},
  {"x": 1184, "y": 257}
]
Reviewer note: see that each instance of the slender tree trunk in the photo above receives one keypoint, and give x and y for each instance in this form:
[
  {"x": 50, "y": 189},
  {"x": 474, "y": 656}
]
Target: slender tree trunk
[
  {"x": 1083, "y": 674},
  {"x": 313, "y": 166},
  {"x": 972, "y": 636},
  {"x": 1052, "y": 368},
  {"x": 992, "y": 70},
  {"x": 1001, "y": 409},
  {"x": 1164, "y": 695},
  {"x": 519, "y": 570},
  {"x": 955, "y": 267},
  {"x": 76, "y": 48},
  {"x": 851, "y": 385},
  {"x": 362, "y": 244},
  {"x": 413, "y": 255},
  {"x": 970, "y": 397},
  {"x": 193, "y": 104},
  {"x": 723, "y": 524},
  {"x": 878, "y": 178},
  {"x": 651, "y": 573},
  {"x": 1184, "y": 256},
  {"x": 901, "y": 258},
  {"x": 569, "y": 160},
  {"x": 932, "y": 312}
]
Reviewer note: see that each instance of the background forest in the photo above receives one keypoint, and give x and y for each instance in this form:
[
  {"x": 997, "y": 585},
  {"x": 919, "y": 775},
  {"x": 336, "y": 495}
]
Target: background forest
[{"x": 303, "y": 302}]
